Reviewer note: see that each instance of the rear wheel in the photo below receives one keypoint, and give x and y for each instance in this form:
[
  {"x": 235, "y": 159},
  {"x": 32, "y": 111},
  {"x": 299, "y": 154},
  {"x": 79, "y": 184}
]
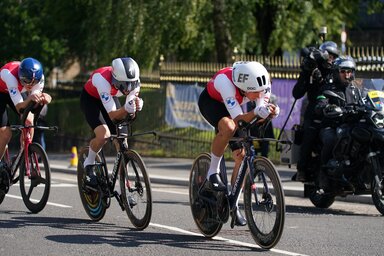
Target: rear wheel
[
  {"x": 264, "y": 204},
  {"x": 2, "y": 195},
  {"x": 94, "y": 201},
  {"x": 203, "y": 213},
  {"x": 4, "y": 182},
  {"x": 35, "y": 186},
  {"x": 136, "y": 191}
]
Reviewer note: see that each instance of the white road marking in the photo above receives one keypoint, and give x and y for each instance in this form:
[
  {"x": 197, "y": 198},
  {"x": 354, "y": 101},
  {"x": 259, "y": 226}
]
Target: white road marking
[
  {"x": 176, "y": 229},
  {"x": 63, "y": 185},
  {"x": 33, "y": 200},
  {"x": 230, "y": 241}
]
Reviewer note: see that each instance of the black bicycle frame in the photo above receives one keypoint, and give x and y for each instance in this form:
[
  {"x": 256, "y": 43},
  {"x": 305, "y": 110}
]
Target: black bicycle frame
[{"x": 248, "y": 161}]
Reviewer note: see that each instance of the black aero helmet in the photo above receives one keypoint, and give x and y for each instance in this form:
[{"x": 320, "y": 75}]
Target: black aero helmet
[
  {"x": 125, "y": 74},
  {"x": 330, "y": 47}
]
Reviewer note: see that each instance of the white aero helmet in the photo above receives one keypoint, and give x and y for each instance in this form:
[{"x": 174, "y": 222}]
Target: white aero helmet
[
  {"x": 250, "y": 76},
  {"x": 125, "y": 74}
]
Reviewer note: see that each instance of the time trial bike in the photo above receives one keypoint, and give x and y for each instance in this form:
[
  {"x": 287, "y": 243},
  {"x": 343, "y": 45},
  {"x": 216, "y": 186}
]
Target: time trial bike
[
  {"x": 264, "y": 203},
  {"x": 29, "y": 166},
  {"x": 135, "y": 196}
]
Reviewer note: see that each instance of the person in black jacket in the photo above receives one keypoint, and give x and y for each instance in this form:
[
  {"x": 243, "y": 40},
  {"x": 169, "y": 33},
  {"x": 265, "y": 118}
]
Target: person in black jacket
[
  {"x": 315, "y": 73},
  {"x": 329, "y": 108}
]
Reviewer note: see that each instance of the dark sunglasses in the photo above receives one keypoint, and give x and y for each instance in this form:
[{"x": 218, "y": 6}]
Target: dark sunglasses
[
  {"x": 348, "y": 71},
  {"x": 25, "y": 81}
]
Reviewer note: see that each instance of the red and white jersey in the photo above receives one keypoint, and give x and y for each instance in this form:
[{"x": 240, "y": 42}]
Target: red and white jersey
[
  {"x": 221, "y": 88},
  {"x": 10, "y": 83},
  {"x": 99, "y": 85}
]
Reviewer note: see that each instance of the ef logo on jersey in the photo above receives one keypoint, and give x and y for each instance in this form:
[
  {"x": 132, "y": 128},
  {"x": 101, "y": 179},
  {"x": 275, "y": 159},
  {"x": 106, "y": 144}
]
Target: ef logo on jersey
[
  {"x": 231, "y": 102},
  {"x": 105, "y": 97},
  {"x": 12, "y": 91}
]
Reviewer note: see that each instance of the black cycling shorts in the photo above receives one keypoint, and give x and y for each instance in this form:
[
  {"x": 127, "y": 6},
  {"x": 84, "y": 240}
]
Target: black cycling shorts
[
  {"x": 96, "y": 114},
  {"x": 5, "y": 100},
  {"x": 213, "y": 111}
]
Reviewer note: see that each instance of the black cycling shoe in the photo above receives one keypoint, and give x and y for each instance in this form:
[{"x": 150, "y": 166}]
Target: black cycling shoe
[
  {"x": 216, "y": 183},
  {"x": 240, "y": 219},
  {"x": 90, "y": 178}
]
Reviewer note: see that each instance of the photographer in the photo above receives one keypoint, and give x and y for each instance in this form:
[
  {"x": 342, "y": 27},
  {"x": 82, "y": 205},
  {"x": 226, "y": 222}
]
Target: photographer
[{"x": 315, "y": 73}]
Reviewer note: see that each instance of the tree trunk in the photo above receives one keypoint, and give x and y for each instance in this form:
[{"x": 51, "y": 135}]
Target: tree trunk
[{"x": 221, "y": 31}]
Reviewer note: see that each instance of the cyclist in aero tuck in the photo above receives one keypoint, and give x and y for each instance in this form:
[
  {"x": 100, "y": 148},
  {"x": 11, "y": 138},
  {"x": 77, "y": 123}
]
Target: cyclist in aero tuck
[
  {"x": 100, "y": 104},
  {"x": 20, "y": 83},
  {"x": 223, "y": 102}
]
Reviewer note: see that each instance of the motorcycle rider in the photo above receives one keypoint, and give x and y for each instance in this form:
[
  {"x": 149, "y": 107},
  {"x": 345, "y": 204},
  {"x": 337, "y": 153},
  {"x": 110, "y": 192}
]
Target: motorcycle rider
[
  {"x": 315, "y": 73},
  {"x": 329, "y": 109}
]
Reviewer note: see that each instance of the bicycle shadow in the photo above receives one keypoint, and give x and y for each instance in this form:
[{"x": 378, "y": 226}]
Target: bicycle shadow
[
  {"x": 89, "y": 232},
  {"x": 320, "y": 211}
]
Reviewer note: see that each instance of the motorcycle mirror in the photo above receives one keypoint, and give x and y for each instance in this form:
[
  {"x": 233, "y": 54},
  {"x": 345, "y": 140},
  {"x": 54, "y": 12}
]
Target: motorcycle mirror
[{"x": 331, "y": 94}]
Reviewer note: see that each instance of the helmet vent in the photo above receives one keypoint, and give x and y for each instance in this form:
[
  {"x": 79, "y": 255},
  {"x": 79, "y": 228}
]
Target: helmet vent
[{"x": 261, "y": 80}]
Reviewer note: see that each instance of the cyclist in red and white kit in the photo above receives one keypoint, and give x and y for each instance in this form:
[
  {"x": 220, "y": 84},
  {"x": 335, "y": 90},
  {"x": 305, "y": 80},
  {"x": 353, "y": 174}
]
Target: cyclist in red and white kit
[
  {"x": 223, "y": 103},
  {"x": 101, "y": 107},
  {"x": 20, "y": 83}
]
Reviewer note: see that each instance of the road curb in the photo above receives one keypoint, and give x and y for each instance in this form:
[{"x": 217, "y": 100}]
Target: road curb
[{"x": 294, "y": 189}]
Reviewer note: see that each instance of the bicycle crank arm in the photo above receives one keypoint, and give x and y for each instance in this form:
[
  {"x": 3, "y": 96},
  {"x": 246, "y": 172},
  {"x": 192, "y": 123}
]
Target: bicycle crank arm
[{"x": 118, "y": 198}]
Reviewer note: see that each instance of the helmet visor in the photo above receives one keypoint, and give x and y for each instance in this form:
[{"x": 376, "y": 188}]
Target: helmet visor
[
  {"x": 25, "y": 81},
  {"x": 126, "y": 86}
]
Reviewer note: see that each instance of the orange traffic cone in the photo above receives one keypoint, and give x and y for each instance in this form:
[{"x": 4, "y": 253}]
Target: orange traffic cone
[{"x": 74, "y": 158}]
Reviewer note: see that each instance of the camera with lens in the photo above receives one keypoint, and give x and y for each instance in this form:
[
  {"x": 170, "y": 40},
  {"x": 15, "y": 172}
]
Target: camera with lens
[{"x": 313, "y": 58}]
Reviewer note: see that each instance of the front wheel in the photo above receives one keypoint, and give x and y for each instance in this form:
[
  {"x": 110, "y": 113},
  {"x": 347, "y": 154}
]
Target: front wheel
[
  {"x": 35, "y": 185},
  {"x": 378, "y": 196},
  {"x": 135, "y": 189},
  {"x": 264, "y": 203},
  {"x": 93, "y": 201},
  {"x": 320, "y": 199},
  {"x": 203, "y": 213}
]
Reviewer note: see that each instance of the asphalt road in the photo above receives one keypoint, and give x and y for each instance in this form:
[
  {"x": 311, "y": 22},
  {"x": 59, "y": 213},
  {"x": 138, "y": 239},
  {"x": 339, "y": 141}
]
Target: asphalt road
[{"x": 63, "y": 228}]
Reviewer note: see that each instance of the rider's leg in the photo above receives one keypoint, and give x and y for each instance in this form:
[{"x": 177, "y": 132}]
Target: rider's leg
[
  {"x": 5, "y": 137},
  {"x": 101, "y": 134},
  {"x": 237, "y": 156},
  {"x": 226, "y": 129}
]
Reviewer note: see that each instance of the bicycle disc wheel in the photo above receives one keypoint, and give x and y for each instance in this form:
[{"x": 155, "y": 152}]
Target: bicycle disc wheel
[
  {"x": 135, "y": 188},
  {"x": 202, "y": 212},
  {"x": 93, "y": 201},
  {"x": 35, "y": 187},
  {"x": 264, "y": 204}
]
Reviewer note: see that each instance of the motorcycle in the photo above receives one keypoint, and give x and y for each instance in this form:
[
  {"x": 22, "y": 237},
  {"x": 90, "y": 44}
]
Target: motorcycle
[{"x": 357, "y": 164}]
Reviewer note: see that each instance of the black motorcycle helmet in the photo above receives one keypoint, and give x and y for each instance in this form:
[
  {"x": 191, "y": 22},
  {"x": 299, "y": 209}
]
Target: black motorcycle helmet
[
  {"x": 341, "y": 65},
  {"x": 330, "y": 47}
]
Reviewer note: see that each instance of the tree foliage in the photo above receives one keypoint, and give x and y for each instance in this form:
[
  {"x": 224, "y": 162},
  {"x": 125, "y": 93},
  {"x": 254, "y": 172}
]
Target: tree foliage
[{"x": 94, "y": 32}]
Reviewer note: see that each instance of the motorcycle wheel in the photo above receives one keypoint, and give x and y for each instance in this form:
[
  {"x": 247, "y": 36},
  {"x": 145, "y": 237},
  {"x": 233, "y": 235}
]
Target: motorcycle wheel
[
  {"x": 378, "y": 197},
  {"x": 320, "y": 200}
]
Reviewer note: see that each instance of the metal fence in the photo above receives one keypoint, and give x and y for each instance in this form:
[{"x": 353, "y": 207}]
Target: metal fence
[{"x": 188, "y": 142}]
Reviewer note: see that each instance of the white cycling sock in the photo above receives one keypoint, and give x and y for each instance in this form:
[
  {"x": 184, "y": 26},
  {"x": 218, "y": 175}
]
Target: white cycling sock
[
  {"x": 215, "y": 165},
  {"x": 90, "y": 158}
]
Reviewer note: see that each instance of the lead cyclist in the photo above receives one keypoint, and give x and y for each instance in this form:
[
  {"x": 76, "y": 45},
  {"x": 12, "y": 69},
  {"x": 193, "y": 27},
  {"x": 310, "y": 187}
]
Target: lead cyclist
[{"x": 223, "y": 103}]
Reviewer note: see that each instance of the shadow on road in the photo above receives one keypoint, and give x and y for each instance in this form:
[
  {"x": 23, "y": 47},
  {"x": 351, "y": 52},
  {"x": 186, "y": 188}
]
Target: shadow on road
[{"x": 88, "y": 232}]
